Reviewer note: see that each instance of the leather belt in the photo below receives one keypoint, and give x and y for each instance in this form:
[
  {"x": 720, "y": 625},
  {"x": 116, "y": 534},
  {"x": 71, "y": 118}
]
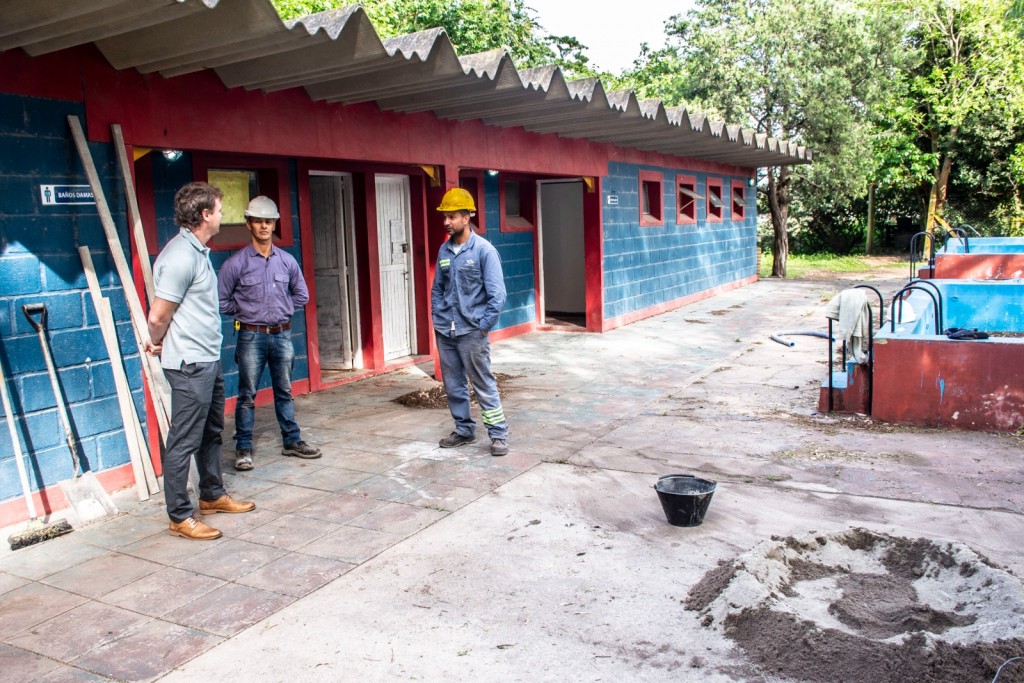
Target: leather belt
[{"x": 265, "y": 329}]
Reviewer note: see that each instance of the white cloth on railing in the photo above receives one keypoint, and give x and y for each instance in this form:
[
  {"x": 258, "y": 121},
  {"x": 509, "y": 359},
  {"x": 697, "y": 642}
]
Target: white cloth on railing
[{"x": 851, "y": 311}]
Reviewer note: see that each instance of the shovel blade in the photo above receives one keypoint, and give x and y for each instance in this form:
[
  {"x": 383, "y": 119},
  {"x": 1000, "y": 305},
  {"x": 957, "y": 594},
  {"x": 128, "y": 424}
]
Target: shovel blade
[{"x": 88, "y": 498}]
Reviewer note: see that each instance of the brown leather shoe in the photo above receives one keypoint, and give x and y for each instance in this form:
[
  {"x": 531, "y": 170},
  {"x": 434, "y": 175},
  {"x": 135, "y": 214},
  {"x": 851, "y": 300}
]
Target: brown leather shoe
[
  {"x": 193, "y": 529},
  {"x": 225, "y": 504}
]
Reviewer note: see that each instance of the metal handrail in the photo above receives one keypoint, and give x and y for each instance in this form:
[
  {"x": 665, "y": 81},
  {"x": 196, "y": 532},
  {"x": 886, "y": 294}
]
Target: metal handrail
[
  {"x": 881, "y": 302},
  {"x": 913, "y": 254},
  {"x": 898, "y": 296},
  {"x": 871, "y": 361},
  {"x": 938, "y": 293}
]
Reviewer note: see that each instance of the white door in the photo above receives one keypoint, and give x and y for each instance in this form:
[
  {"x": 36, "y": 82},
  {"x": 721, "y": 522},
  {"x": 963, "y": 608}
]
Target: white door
[
  {"x": 335, "y": 271},
  {"x": 394, "y": 242}
]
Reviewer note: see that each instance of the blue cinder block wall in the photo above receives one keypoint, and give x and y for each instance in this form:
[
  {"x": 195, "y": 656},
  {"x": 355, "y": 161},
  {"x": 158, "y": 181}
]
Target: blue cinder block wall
[
  {"x": 646, "y": 267},
  {"x": 517, "y": 262},
  {"x": 39, "y": 263}
]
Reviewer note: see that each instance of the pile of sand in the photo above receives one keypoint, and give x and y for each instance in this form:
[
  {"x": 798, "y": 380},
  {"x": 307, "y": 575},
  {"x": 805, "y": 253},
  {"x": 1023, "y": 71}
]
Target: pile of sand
[{"x": 862, "y": 606}]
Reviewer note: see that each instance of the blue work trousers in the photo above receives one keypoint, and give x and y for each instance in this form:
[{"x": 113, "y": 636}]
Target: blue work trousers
[
  {"x": 253, "y": 352},
  {"x": 197, "y": 420},
  {"x": 470, "y": 355}
]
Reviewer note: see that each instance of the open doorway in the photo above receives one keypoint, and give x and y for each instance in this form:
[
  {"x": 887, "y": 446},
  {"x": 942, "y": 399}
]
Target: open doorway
[
  {"x": 337, "y": 293},
  {"x": 563, "y": 271}
]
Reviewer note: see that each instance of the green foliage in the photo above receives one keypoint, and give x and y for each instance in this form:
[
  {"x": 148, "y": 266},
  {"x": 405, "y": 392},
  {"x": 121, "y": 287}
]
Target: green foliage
[{"x": 472, "y": 26}]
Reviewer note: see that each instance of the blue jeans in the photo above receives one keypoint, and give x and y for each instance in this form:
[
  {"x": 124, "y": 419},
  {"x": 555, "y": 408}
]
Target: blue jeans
[
  {"x": 197, "y": 420},
  {"x": 470, "y": 354},
  {"x": 253, "y": 352}
]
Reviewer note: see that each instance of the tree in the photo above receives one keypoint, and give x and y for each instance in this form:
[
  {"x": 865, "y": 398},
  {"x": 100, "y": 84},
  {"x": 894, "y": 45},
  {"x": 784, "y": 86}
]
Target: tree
[
  {"x": 472, "y": 26},
  {"x": 959, "y": 99},
  {"x": 801, "y": 70}
]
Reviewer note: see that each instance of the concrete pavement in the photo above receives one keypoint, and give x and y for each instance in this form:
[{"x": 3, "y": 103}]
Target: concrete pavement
[{"x": 392, "y": 559}]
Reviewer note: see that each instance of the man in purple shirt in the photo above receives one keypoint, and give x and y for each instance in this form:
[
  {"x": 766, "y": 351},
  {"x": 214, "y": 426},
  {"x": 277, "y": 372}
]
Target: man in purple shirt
[{"x": 260, "y": 286}]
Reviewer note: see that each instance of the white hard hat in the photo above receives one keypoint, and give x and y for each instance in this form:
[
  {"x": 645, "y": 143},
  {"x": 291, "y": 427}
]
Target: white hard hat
[{"x": 262, "y": 207}]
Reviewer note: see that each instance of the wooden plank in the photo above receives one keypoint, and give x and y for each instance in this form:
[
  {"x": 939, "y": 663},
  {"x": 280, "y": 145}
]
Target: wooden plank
[
  {"x": 151, "y": 366},
  {"x": 133, "y": 211},
  {"x": 137, "y": 450}
]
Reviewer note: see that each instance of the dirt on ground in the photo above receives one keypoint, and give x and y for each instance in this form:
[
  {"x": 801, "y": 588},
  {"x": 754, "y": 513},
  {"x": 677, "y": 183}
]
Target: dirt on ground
[
  {"x": 434, "y": 396},
  {"x": 859, "y": 606}
]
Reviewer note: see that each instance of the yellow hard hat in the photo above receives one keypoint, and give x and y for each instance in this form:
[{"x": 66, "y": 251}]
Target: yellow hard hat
[{"x": 457, "y": 199}]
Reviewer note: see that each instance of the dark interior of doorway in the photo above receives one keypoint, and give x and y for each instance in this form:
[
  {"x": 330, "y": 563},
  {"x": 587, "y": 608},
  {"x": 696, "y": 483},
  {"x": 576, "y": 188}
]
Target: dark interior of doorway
[{"x": 565, "y": 319}]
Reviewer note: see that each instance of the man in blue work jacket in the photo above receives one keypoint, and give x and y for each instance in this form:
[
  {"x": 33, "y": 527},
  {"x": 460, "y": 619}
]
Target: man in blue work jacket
[
  {"x": 261, "y": 286},
  {"x": 466, "y": 298}
]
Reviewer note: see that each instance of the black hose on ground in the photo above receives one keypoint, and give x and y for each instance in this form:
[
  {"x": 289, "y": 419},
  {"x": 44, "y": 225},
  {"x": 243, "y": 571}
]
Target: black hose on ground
[{"x": 775, "y": 336}]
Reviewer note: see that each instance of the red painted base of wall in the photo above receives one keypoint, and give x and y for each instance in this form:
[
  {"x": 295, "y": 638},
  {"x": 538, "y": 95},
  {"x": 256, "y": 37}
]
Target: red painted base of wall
[
  {"x": 52, "y": 499},
  {"x": 623, "y": 320},
  {"x": 853, "y": 398},
  {"x": 976, "y": 385},
  {"x": 979, "y": 266}
]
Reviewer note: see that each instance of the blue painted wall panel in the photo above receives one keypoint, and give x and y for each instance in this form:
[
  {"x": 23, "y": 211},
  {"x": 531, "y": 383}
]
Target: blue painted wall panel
[
  {"x": 39, "y": 263},
  {"x": 646, "y": 267}
]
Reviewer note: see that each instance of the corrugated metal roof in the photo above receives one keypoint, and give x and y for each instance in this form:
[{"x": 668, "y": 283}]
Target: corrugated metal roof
[{"x": 337, "y": 56}]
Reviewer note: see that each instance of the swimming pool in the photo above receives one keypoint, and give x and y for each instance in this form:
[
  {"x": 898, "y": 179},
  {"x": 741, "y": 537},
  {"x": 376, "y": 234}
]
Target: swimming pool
[
  {"x": 980, "y": 258},
  {"x": 922, "y": 377}
]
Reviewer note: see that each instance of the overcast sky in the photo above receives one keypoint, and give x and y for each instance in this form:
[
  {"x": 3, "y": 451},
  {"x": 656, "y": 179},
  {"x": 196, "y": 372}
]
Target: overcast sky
[{"x": 612, "y": 30}]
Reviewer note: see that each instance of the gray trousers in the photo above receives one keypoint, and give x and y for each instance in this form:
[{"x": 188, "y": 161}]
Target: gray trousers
[{"x": 197, "y": 420}]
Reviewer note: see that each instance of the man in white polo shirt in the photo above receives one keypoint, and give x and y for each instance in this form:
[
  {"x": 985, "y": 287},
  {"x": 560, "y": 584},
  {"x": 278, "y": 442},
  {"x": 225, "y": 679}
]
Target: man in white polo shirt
[{"x": 184, "y": 330}]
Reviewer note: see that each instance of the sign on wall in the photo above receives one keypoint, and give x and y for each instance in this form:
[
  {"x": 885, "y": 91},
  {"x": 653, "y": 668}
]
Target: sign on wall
[{"x": 54, "y": 195}]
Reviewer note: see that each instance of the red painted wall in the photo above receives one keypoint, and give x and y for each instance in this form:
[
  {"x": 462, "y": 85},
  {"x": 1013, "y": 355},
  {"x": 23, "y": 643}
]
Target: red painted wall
[
  {"x": 977, "y": 385},
  {"x": 979, "y": 266}
]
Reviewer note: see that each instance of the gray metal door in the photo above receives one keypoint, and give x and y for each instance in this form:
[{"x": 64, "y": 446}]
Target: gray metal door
[
  {"x": 394, "y": 236},
  {"x": 335, "y": 274}
]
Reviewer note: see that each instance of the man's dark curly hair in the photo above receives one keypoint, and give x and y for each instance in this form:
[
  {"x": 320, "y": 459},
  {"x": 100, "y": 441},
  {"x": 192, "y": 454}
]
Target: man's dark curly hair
[{"x": 190, "y": 202}]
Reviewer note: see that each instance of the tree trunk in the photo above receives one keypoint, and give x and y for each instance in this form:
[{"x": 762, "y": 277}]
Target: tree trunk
[
  {"x": 941, "y": 186},
  {"x": 778, "y": 208}
]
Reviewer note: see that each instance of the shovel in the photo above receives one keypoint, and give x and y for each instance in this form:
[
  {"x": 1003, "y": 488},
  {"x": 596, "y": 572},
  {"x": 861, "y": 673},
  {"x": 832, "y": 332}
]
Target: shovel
[{"x": 84, "y": 493}]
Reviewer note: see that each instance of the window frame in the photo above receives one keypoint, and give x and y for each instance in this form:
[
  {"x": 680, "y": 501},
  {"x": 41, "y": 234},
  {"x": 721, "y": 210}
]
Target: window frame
[
  {"x": 690, "y": 182},
  {"x": 715, "y": 214},
  {"x": 273, "y": 179},
  {"x": 526, "y": 219},
  {"x": 739, "y": 210},
  {"x": 646, "y": 181}
]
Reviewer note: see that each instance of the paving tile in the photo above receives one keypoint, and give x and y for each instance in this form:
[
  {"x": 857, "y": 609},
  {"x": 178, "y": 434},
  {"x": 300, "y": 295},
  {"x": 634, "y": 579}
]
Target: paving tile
[
  {"x": 423, "y": 468},
  {"x": 22, "y": 665},
  {"x": 482, "y": 478},
  {"x": 79, "y": 630},
  {"x": 103, "y": 574},
  {"x": 9, "y": 582},
  {"x": 371, "y": 462},
  {"x": 287, "y": 470},
  {"x": 48, "y": 558},
  {"x": 229, "y": 609},
  {"x": 70, "y": 674},
  {"x": 231, "y": 559},
  {"x": 33, "y": 604},
  {"x": 332, "y": 478},
  {"x": 416, "y": 449},
  {"x": 351, "y": 544},
  {"x": 286, "y": 498},
  {"x": 340, "y": 508},
  {"x": 159, "y": 593},
  {"x": 153, "y": 650},
  {"x": 166, "y": 549},
  {"x": 399, "y": 519},
  {"x": 122, "y": 530},
  {"x": 388, "y": 488},
  {"x": 296, "y": 574},
  {"x": 443, "y": 497},
  {"x": 234, "y": 525},
  {"x": 289, "y": 532}
]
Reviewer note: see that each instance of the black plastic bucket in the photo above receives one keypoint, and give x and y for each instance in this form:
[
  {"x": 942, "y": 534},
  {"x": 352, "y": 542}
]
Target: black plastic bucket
[{"x": 685, "y": 498}]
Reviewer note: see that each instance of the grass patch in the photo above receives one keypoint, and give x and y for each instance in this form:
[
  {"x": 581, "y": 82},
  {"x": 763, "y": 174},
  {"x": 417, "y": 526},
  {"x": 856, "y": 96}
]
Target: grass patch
[{"x": 815, "y": 265}]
